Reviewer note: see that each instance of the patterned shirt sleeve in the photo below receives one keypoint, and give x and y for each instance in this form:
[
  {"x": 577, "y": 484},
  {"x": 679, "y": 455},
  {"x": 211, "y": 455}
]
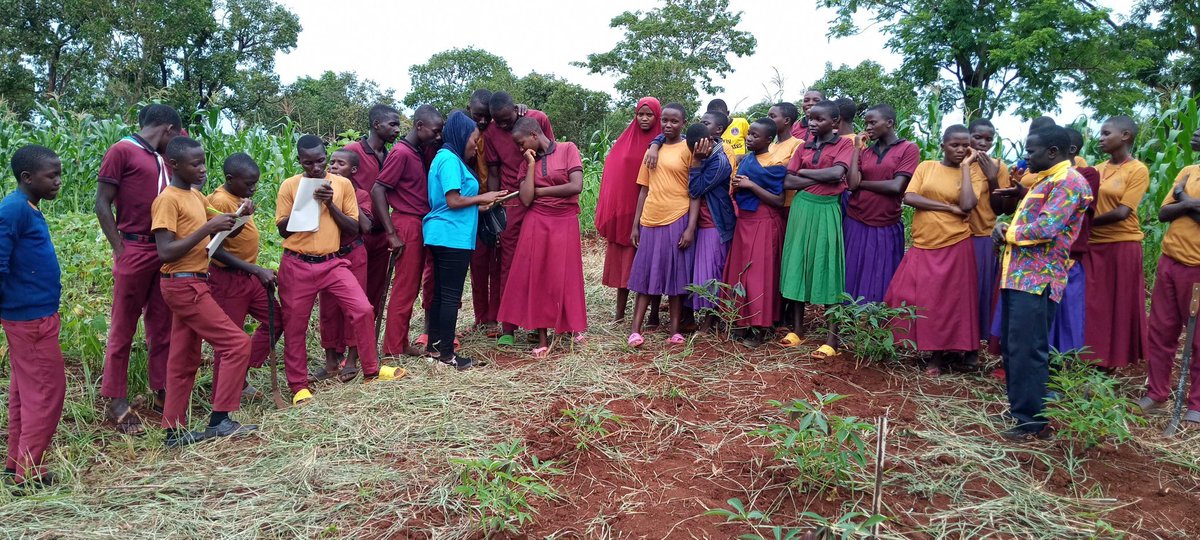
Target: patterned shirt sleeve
[{"x": 1061, "y": 203}]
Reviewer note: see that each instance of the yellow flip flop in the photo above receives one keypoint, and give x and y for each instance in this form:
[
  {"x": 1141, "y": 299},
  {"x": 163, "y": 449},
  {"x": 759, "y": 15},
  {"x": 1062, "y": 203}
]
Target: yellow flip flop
[
  {"x": 303, "y": 395},
  {"x": 791, "y": 340},
  {"x": 391, "y": 373},
  {"x": 825, "y": 351}
]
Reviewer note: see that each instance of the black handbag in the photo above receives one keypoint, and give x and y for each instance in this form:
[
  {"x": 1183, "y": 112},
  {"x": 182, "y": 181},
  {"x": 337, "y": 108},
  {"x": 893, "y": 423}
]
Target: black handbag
[{"x": 491, "y": 224}]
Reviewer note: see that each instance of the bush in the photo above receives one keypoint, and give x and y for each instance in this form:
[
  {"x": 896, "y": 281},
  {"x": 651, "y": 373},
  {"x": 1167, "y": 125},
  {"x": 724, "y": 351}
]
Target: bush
[
  {"x": 864, "y": 328},
  {"x": 826, "y": 451},
  {"x": 1085, "y": 403},
  {"x": 498, "y": 486}
]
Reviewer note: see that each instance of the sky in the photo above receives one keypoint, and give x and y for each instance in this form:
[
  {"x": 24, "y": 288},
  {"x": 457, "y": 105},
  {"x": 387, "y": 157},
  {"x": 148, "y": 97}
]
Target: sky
[{"x": 390, "y": 37}]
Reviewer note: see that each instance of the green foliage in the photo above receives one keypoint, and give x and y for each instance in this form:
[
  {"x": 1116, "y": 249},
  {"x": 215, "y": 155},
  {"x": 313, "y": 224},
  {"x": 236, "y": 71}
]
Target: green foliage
[
  {"x": 868, "y": 84},
  {"x": 589, "y": 422},
  {"x": 848, "y": 525},
  {"x": 593, "y": 154},
  {"x": 575, "y": 111},
  {"x": 328, "y": 105},
  {"x": 865, "y": 330},
  {"x": 1087, "y": 407},
  {"x": 826, "y": 451},
  {"x": 725, "y": 297},
  {"x": 448, "y": 78},
  {"x": 999, "y": 54},
  {"x": 1165, "y": 147},
  {"x": 498, "y": 486},
  {"x": 666, "y": 50},
  {"x": 1167, "y": 31}
]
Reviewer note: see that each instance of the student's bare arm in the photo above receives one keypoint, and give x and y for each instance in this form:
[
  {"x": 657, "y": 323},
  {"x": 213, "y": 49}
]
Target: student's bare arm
[
  {"x": 528, "y": 190},
  {"x": 828, "y": 175},
  {"x": 379, "y": 207},
  {"x": 1120, "y": 213},
  {"x": 1183, "y": 206},
  {"x": 895, "y": 186},
  {"x": 966, "y": 193},
  {"x": 105, "y": 193},
  {"x": 689, "y": 234},
  {"x": 574, "y": 186},
  {"x": 265, "y": 275},
  {"x": 455, "y": 200},
  {"x": 636, "y": 234},
  {"x": 923, "y": 203},
  {"x": 792, "y": 181},
  {"x": 171, "y": 249},
  {"x": 282, "y": 228},
  {"x": 854, "y": 175},
  {"x": 493, "y": 182}
]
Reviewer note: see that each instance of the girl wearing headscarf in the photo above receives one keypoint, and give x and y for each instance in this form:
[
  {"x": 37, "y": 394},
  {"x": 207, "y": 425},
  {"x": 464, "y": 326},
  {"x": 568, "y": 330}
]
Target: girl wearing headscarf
[
  {"x": 619, "y": 196},
  {"x": 449, "y": 230}
]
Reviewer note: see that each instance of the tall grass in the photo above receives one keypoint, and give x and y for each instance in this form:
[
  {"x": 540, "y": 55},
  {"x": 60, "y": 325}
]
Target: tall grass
[{"x": 593, "y": 154}]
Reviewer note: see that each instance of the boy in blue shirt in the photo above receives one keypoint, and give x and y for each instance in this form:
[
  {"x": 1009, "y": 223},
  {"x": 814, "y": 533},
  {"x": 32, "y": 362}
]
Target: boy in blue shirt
[{"x": 30, "y": 289}]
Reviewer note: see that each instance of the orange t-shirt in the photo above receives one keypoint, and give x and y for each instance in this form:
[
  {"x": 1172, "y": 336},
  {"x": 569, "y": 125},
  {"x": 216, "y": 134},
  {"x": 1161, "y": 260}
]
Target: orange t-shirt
[
  {"x": 183, "y": 212},
  {"x": 327, "y": 238},
  {"x": 668, "y": 199},
  {"x": 245, "y": 245},
  {"x": 983, "y": 218},
  {"x": 1182, "y": 240},
  {"x": 937, "y": 182},
  {"x": 780, "y": 153},
  {"x": 1120, "y": 185}
]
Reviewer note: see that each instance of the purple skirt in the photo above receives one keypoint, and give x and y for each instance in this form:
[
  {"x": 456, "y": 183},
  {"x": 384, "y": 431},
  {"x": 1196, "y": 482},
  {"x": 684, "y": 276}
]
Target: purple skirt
[
  {"x": 987, "y": 268},
  {"x": 660, "y": 267},
  {"x": 1066, "y": 332},
  {"x": 872, "y": 256},
  {"x": 709, "y": 264}
]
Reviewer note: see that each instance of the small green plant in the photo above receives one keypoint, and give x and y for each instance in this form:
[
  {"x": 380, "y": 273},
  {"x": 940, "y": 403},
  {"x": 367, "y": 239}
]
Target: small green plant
[
  {"x": 590, "y": 423},
  {"x": 1085, "y": 403},
  {"x": 724, "y": 298},
  {"x": 498, "y": 486},
  {"x": 864, "y": 328},
  {"x": 849, "y": 525},
  {"x": 827, "y": 451}
]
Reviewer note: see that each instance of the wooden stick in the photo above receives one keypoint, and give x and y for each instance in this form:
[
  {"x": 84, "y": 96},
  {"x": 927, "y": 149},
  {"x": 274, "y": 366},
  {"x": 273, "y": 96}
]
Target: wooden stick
[{"x": 880, "y": 459}]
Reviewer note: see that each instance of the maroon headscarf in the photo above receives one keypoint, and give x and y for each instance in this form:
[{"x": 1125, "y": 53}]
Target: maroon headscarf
[{"x": 618, "y": 184}]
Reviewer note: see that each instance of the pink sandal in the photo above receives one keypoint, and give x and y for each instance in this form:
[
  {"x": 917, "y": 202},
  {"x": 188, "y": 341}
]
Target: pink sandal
[
  {"x": 677, "y": 339},
  {"x": 636, "y": 340},
  {"x": 541, "y": 352}
]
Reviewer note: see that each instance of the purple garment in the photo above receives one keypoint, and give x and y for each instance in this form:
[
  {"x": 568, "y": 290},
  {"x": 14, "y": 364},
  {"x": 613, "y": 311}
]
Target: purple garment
[
  {"x": 1066, "y": 332},
  {"x": 709, "y": 264},
  {"x": 872, "y": 256},
  {"x": 986, "y": 268},
  {"x": 660, "y": 267}
]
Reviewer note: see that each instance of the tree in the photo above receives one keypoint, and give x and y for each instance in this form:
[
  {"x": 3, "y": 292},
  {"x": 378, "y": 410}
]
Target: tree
[
  {"x": 667, "y": 50},
  {"x": 575, "y": 111},
  {"x": 867, "y": 84},
  {"x": 1000, "y": 54},
  {"x": 329, "y": 105},
  {"x": 448, "y": 78},
  {"x": 1170, "y": 49}
]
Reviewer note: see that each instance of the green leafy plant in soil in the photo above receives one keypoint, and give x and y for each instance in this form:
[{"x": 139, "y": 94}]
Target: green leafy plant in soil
[
  {"x": 499, "y": 485},
  {"x": 826, "y": 451},
  {"x": 848, "y": 525},
  {"x": 590, "y": 423},
  {"x": 864, "y": 328},
  {"x": 725, "y": 299},
  {"x": 1086, "y": 404}
]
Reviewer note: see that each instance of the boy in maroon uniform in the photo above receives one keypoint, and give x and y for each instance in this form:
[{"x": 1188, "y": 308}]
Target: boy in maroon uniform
[{"x": 372, "y": 152}]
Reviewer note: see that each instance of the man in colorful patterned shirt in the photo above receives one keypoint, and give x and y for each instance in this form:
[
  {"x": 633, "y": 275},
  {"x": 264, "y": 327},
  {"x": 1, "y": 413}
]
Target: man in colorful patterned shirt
[{"x": 1034, "y": 273}]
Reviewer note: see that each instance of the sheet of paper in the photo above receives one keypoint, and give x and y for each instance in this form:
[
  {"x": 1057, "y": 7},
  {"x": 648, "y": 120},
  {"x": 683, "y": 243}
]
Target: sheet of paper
[
  {"x": 306, "y": 211},
  {"x": 220, "y": 237}
]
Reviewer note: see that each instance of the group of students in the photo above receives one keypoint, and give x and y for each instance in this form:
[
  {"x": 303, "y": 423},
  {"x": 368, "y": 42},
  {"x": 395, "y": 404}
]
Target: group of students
[
  {"x": 812, "y": 213},
  {"x": 413, "y": 209}
]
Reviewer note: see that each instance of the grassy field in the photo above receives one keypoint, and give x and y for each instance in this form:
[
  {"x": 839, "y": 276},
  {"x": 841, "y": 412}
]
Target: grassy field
[{"x": 641, "y": 445}]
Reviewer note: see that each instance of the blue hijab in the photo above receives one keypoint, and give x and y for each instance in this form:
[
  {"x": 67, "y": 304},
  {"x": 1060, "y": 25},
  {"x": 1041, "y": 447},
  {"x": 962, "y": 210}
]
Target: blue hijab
[{"x": 457, "y": 130}]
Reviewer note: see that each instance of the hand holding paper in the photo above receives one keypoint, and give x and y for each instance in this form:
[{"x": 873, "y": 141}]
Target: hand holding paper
[{"x": 306, "y": 209}]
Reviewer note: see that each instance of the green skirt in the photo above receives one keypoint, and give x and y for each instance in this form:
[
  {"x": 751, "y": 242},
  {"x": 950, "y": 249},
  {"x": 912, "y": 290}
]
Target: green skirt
[{"x": 814, "y": 259}]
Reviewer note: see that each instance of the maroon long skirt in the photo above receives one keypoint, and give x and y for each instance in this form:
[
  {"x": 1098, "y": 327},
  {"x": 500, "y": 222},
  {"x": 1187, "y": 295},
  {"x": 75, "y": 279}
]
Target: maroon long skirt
[
  {"x": 753, "y": 264},
  {"x": 618, "y": 261},
  {"x": 545, "y": 283},
  {"x": 941, "y": 284},
  {"x": 1115, "y": 311}
]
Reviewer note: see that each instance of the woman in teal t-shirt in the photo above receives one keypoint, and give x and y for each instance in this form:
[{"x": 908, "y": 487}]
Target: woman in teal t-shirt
[{"x": 449, "y": 230}]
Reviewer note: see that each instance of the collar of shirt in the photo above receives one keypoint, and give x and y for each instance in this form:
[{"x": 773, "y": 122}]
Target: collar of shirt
[
  {"x": 1057, "y": 171},
  {"x": 814, "y": 143},
  {"x": 367, "y": 147}
]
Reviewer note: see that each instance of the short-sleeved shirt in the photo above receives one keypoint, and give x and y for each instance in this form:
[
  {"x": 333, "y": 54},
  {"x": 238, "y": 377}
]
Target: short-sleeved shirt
[
  {"x": 369, "y": 164},
  {"x": 183, "y": 212},
  {"x": 1182, "y": 240},
  {"x": 983, "y": 217},
  {"x": 245, "y": 245},
  {"x": 502, "y": 150},
  {"x": 139, "y": 173},
  {"x": 405, "y": 177},
  {"x": 937, "y": 182},
  {"x": 667, "y": 199},
  {"x": 823, "y": 155},
  {"x": 445, "y": 226},
  {"x": 780, "y": 153},
  {"x": 878, "y": 163},
  {"x": 1120, "y": 185},
  {"x": 554, "y": 168},
  {"x": 327, "y": 238}
]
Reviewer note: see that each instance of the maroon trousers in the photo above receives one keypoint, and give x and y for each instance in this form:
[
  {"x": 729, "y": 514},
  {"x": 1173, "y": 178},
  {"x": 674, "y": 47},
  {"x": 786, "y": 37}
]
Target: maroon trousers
[
  {"x": 35, "y": 392},
  {"x": 1168, "y": 314},
  {"x": 299, "y": 284},
  {"x": 406, "y": 283},
  {"x": 485, "y": 283},
  {"x": 376, "y": 256},
  {"x": 508, "y": 248},
  {"x": 195, "y": 316},
  {"x": 136, "y": 292},
  {"x": 240, "y": 294},
  {"x": 337, "y": 330}
]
